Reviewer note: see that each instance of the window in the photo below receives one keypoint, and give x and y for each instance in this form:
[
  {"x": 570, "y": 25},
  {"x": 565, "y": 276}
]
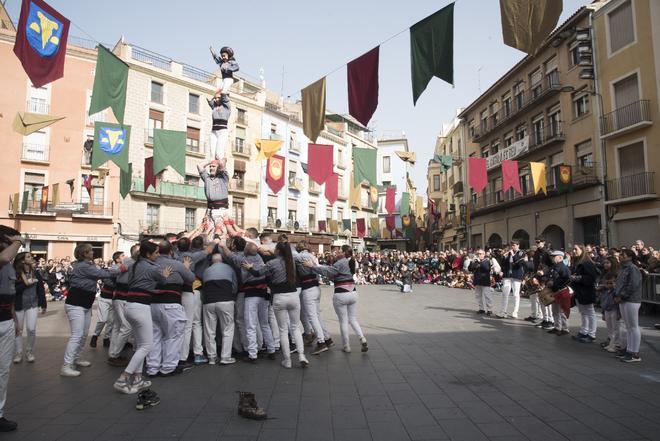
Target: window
[
  {"x": 192, "y": 139},
  {"x": 631, "y": 159},
  {"x": 580, "y": 105},
  {"x": 573, "y": 54},
  {"x": 495, "y": 147},
  {"x": 585, "y": 154},
  {"x": 238, "y": 212},
  {"x": 507, "y": 104},
  {"x": 494, "y": 114},
  {"x": 87, "y": 148},
  {"x": 621, "y": 27},
  {"x": 33, "y": 183},
  {"x": 626, "y": 94},
  {"x": 484, "y": 151},
  {"x": 193, "y": 103},
  {"x": 38, "y": 100},
  {"x": 554, "y": 124},
  {"x": 552, "y": 72},
  {"x": 484, "y": 121},
  {"x": 340, "y": 186},
  {"x": 153, "y": 215},
  {"x": 508, "y": 139},
  {"x": 525, "y": 182},
  {"x": 239, "y": 141},
  {"x": 191, "y": 221},
  {"x": 156, "y": 92},
  {"x": 241, "y": 116},
  {"x": 311, "y": 216},
  {"x": 328, "y": 213},
  {"x": 537, "y": 129},
  {"x": 521, "y": 132},
  {"x": 96, "y": 196},
  {"x": 35, "y": 146},
  {"x": 519, "y": 95},
  {"x": 239, "y": 179},
  {"x": 273, "y": 129},
  {"x": 387, "y": 183},
  {"x": 272, "y": 213},
  {"x": 292, "y": 216},
  {"x": 498, "y": 189},
  {"x": 340, "y": 214},
  {"x": 386, "y": 164},
  {"x": 555, "y": 162},
  {"x": 156, "y": 119},
  {"x": 292, "y": 173},
  {"x": 536, "y": 79},
  {"x": 436, "y": 182},
  {"x": 191, "y": 180}
]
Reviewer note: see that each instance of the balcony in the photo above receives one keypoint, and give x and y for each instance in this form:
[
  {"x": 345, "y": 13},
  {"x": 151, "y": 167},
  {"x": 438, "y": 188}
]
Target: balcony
[
  {"x": 35, "y": 152},
  {"x": 77, "y": 210},
  {"x": 169, "y": 190},
  {"x": 249, "y": 188},
  {"x": 241, "y": 148},
  {"x": 242, "y": 119},
  {"x": 546, "y": 137},
  {"x": 198, "y": 74},
  {"x": 458, "y": 188},
  {"x": 631, "y": 188},
  {"x": 625, "y": 119},
  {"x": 583, "y": 176},
  {"x": 151, "y": 58},
  {"x": 37, "y": 105}
]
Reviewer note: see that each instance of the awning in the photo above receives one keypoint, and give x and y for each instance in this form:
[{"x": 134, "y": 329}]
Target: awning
[{"x": 239, "y": 166}]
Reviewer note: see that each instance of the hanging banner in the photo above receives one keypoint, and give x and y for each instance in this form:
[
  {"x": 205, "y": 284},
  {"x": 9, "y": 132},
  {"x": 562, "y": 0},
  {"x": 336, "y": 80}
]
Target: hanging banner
[
  {"x": 362, "y": 79},
  {"x": 275, "y": 173},
  {"x": 514, "y": 150}
]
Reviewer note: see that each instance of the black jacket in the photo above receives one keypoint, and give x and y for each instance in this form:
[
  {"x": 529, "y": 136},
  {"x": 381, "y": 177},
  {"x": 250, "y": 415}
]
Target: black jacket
[
  {"x": 515, "y": 269},
  {"x": 584, "y": 282},
  {"x": 481, "y": 271},
  {"x": 559, "y": 276}
]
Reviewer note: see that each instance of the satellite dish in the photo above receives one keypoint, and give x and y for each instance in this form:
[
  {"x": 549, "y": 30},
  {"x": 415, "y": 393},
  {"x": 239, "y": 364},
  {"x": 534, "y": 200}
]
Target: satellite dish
[
  {"x": 296, "y": 225},
  {"x": 278, "y": 223},
  {"x": 89, "y": 144}
]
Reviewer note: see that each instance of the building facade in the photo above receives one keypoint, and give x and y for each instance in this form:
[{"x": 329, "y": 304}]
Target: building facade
[
  {"x": 540, "y": 111},
  {"x": 627, "y": 53},
  {"x": 51, "y": 156}
]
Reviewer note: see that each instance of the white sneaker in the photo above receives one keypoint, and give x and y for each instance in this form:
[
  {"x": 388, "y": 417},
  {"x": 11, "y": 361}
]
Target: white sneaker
[
  {"x": 83, "y": 363},
  {"x": 18, "y": 358},
  {"x": 303, "y": 361},
  {"x": 123, "y": 386},
  {"x": 141, "y": 384},
  {"x": 230, "y": 360},
  {"x": 611, "y": 349},
  {"x": 286, "y": 363},
  {"x": 346, "y": 349},
  {"x": 68, "y": 371},
  {"x": 515, "y": 316},
  {"x": 29, "y": 357},
  {"x": 212, "y": 360},
  {"x": 500, "y": 315}
]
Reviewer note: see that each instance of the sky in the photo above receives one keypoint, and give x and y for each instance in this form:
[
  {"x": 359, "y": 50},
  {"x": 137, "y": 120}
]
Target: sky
[{"x": 296, "y": 42}]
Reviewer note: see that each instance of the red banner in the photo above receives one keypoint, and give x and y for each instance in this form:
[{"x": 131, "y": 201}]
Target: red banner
[
  {"x": 478, "y": 176},
  {"x": 275, "y": 173},
  {"x": 361, "y": 227},
  {"x": 510, "y": 176},
  {"x": 390, "y": 203},
  {"x": 332, "y": 188},
  {"x": 362, "y": 78},
  {"x": 149, "y": 176},
  {"x": 319, "y": 162},
  {"x": 390, "y": 223}
]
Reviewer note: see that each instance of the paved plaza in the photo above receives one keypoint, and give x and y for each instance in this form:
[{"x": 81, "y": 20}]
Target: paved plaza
[{"x": 434, "y": 371}]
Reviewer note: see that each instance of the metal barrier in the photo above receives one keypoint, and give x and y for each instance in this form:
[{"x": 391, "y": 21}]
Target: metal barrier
[{"x": 651, "y": 289}]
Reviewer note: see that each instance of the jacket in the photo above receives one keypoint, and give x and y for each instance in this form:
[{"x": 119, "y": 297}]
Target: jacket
[
  {"x": 513, "y": 267},
  {"x": 227, "y": 68},
  {"x": 584, "y": 282},
  {"x": 559, "y": 277},
  {"x": 628, "y": 285},
  {"x": 481, "y": 270}
]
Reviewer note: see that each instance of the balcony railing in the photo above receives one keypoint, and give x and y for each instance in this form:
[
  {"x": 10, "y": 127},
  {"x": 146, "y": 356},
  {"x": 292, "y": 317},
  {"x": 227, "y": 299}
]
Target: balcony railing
[
  {"x": 35, "y": 152},
  {"x": 38, "y": 105},
  {"x": 241, "y": 147},
  {"x": 152, "y": 58},
  {"x": 542, "y": 138},
  {"x": 640, "y": 184},
  {"x": 75, "y": 209},
  {"x": 244, "y": 186},
  {"x": 198, "y": 74},
  {"x": 171, "y": 189},
  {"x": 624, "y": 117}
]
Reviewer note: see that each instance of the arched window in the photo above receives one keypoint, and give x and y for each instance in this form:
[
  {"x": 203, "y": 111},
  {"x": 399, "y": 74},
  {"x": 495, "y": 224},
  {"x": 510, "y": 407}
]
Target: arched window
[
  {"x": 522, "y": 236},
  {"x": 494, "y": 241},
  {"x": 554, "y": 237}
]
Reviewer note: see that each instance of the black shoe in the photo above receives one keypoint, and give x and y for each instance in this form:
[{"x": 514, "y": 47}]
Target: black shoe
[
  {"x": 250, "y": 360},
  {"x": 481, "y": 311},
  {"x": 157, "y": 374},
  {"x": 184, "y": 365},
  {"x": 92, "y": 342},
  {"x": 106, "y": 342},
  {"x": 118, "y": 361},
  {"x": 292, "y": 348},
  {"x": 177, "y": 371},
  {"x": 271, "y": 356},
  {"x": 320, "y": 347},
  {"x": 146, "y": 399},
  {"x": 7, "y": 425},
  {"x": 530, "y": 319},
  {"x": 489, "y": 313},
  {"x": 541, "y": 325},
  {"x": 553, "y": 331},
  {"x": 329, "y": 343},
  {"x": 657, "y": 326}
]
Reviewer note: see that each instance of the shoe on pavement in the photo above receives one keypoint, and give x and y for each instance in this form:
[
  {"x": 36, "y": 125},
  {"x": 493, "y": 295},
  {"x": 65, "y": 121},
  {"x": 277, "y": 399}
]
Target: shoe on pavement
[
  {"x": 320, "y": 347},
  {"x": 18, "y": 358},
  {"x": 346, "y": 349},
  {"x": 563, "y": 332},
  {"x": 229, "y": 360},
  {"x": 481, "y": 311},
  {"x": 68, "y": 371},
  {"x": 118, "y": 361},
  {"x": 489, "y": 313},
  {"x": 621, "y": 353},
  {"x": 549, "y": 325},
  {"x": 200, "y": 359},
  {"x": 124, "y": 386},
  {"x": 184, "y": 365},
  {"x": 271, "y": 355},
  {"x": 303, "y": 361},
  {"x": 500, "y": 315},
  {"x": 585, "y": 339},
  {"x": 540, "y": 324},
  {"x": 286, "y": 363},
  {"x": 514, "y": 316},
  {"x": 92, "y": 342},
  {"x": 365, "y": 347},
  {"x": 329, "y": 343},
  {"x": 146, "y": 399},
  {"x": 531, "y": 318},
  {"x": 631, "y": 358},
  {"x": 250, "y": 360},
  {"x": 611, "y": 349},
  {"x": 29, "y": 357},
  {"x": 213, "y": 361},
  {"x": 106, "y": 342},
  {"x": 7, "y": 425},
  {"x": 553, "y": 331},
  {"x": 657, "y": 326},
  {"x": 83, "y": 363},
  {"x": 140, "y": 383}
]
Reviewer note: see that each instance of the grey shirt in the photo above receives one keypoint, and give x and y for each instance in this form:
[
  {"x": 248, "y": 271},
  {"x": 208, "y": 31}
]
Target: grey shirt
[
  {"x": 7, "y": 279},
  {"x": 340, "y": 271},
  {"x": 85, "y": 275},
  {"x": 221, "y": 271},
  {"x": 216, "y": 187},
  {"x": 300, "y": 258},
  {"x": 628, "y": 285},
  {"x": 180, "y": 274},
  {"x": 145, "y": 275},
  {"x": 124, "y": 277}
]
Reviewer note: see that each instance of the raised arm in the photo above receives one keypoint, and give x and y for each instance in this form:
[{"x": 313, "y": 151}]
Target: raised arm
[{"x": 328, "y": 271}]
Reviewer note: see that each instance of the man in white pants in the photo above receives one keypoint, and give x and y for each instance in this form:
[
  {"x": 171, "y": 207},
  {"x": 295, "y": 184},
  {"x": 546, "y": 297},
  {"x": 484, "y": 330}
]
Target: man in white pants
[
  {"x": 513, "y": 270},
  {"x": 483, "y": 268},
  {"x": 121, "y": 328},
  {"x": 169, "y": 319},
  {"x": 218, "y": 297},
  {"x": 105, "y": 318}
]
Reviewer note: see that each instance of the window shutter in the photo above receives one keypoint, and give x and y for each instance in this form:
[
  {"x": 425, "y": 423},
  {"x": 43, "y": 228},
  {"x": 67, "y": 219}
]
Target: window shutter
[
  {"x": 622, "y": 31},
  {"x": 156, "y": 114}
]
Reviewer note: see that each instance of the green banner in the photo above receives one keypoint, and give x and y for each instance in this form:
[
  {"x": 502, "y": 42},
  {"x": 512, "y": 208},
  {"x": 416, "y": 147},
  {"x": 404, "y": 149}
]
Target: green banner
[
  {"x": 364, "y": 166},
  {"x": 169, "y": 150},
  {"x": 110, "y": 81},
  {"x": 111, "y": 144}
]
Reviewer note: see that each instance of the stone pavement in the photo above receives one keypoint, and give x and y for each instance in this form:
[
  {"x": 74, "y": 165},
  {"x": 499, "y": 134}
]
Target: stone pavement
[{"x": 435, "y": 371}]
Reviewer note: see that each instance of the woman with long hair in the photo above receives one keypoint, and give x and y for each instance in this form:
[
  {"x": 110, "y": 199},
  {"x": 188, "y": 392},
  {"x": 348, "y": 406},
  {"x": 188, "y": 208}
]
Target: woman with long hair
[
  {"x": 281, "y": 276},
  {"x": 611, "y": 313},
  {"x": 30, "y": 296},
  {"x": 145, "y": 276},
  {"x": 345, "y": 297},
  {"x": 583, "y": 282},
  {"x": 78, "y": 308}
]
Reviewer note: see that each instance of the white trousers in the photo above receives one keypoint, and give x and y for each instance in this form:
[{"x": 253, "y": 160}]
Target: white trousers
[
  {"x": 630, "y": 316},
  {"x": 561, "y": 321},
  {"x": 547, "y": 313},
  {"x": 510, "y": 286},
  {"x": 169, "y": 321},
  {"x": 345, "y": 304},
  {"x": 535, "y": 306},
  {"x": 139, "y": 317},
  {"x": 287, "y": 312},
  {"x": 192, "y": 305},
  {"x": 104, "y": 317},
  {"x": 26, "y": 319},
  {"x": 307, "y": 327},
  {"x": 311, "y": 302},
  {"x": 588, "y": 323},
  {"x": 79, "y": 321},
  {"x": 615, "y": 328},
  {"x": 219, "y": 141},
  {"x": 240, "y": 337},
  {"x": 484, "y": 296},
  {"x": 274, "y": 329},
  {"x": 224, "y": 313},
  {"x": 7, "y": 334},
  {"x": 256, "y": 316},
  {"x": 121, "y": 329}
]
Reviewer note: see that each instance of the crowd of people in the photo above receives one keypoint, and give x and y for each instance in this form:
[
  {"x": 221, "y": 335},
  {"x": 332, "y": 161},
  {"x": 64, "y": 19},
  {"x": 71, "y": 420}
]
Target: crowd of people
[{"x": 178, "y": 302}]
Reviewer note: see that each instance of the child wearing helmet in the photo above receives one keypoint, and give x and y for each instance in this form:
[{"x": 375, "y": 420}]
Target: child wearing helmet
[{"x": 228, "y": 66}]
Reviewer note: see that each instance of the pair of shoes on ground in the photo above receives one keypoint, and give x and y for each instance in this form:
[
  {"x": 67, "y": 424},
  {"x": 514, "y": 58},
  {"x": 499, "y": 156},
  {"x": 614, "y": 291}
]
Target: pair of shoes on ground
[
  {"x": 584, "y": 338},
  {"x": 223, "y": 361},
  {"x": 128, "y": 385},
  {"x": 546, "y": 325},
  {"x": 286, "y": 362},
  {"x": 363, "y": 344},
  {"x": 68, "y": 370},
  {"x": 146, "y": 399},
  {"x": 29, "y": 357},
  {"x": 627, "y": 357},
  {"x": 94, "y": 340}
]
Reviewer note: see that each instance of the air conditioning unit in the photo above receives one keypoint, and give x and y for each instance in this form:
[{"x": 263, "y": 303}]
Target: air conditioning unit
[
  {"x": 278, "y": 223},
  {"x": 296, "y": 225}
]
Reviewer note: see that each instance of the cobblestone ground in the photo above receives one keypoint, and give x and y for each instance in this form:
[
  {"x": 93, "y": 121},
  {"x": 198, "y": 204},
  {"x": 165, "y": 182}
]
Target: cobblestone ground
[{"x": 434, "y": 371}]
